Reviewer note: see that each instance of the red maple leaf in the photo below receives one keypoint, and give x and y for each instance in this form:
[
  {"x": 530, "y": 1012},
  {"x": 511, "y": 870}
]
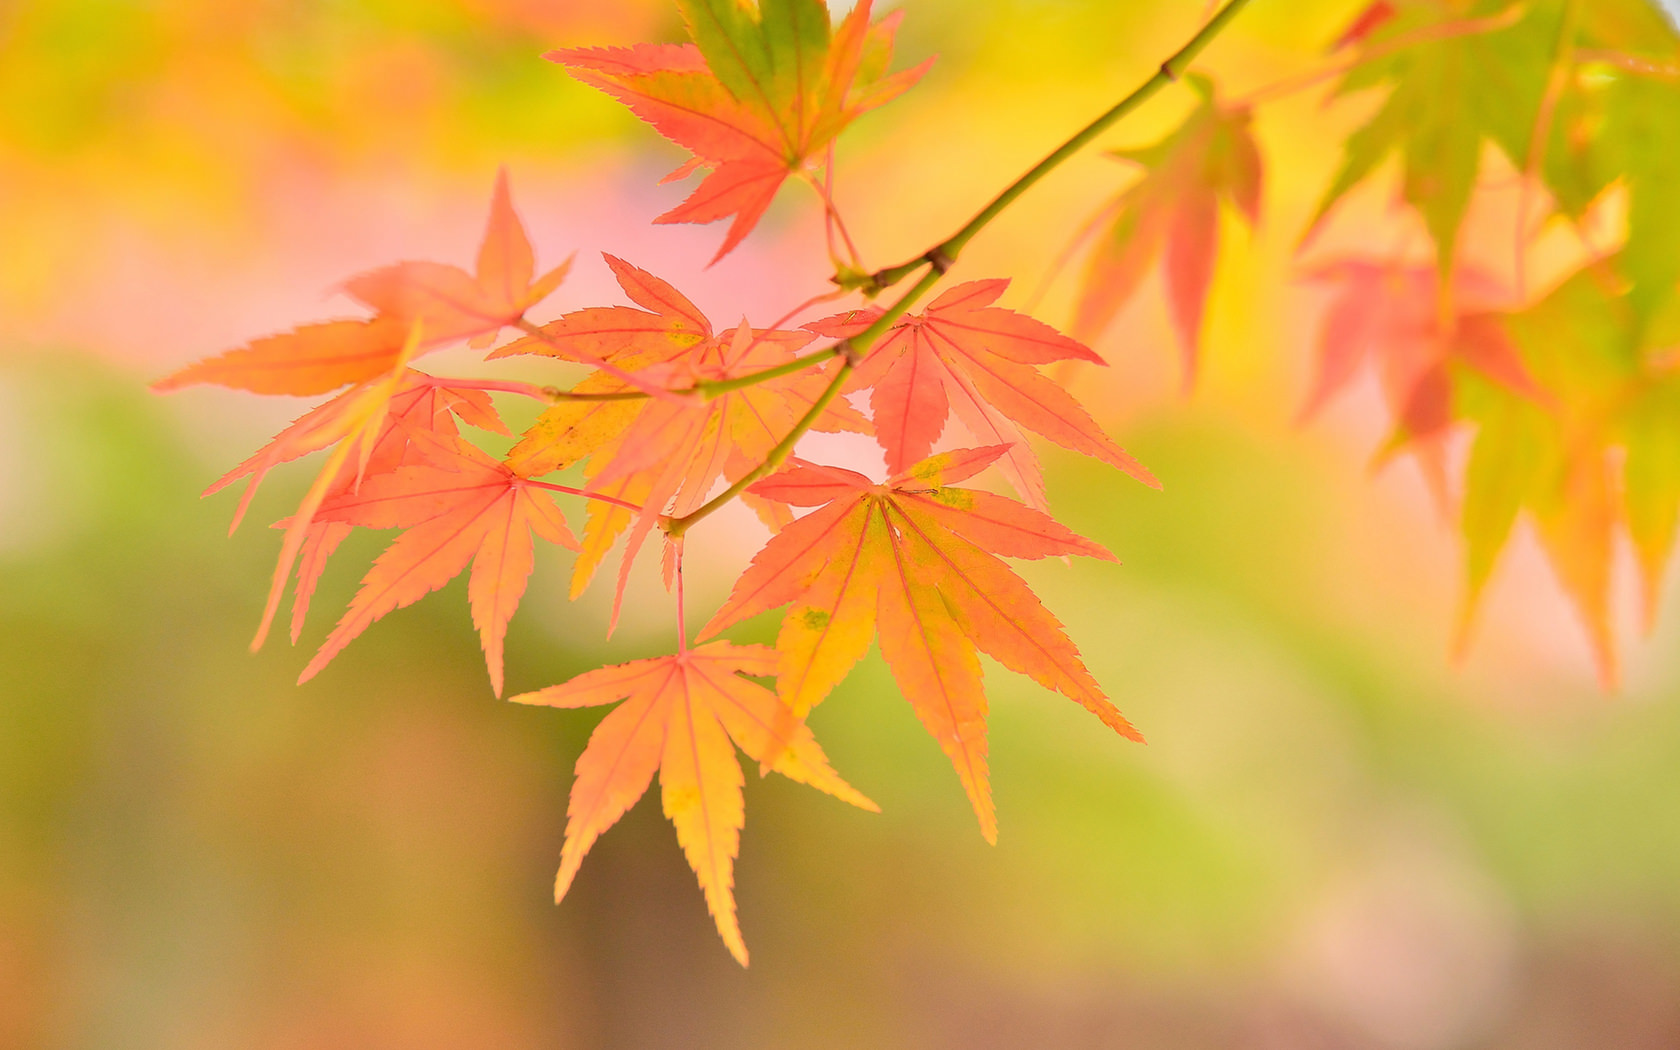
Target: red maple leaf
[
  {"x": 755, "y": 98},
  {"x": 451, "y": 304},
  {"x": 1389, "y": 314},
  {"x": 965, "y": 355},
  {"x": 426, "y": 405}
]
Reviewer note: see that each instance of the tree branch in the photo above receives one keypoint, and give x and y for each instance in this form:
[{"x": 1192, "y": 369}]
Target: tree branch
[{"x": 940, "y": 257}]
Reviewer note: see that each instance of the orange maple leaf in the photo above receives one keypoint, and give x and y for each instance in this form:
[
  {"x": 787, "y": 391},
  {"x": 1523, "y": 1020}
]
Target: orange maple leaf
[
  {"x": 370, "y": 424},
  {"x": 352, "y": 424},
  {"x": 913, "y": 561},
  {"x": 965, "y": 355},
  {"x": 458, "y": 505},
  {"x": 761, "y": 95},
  {"x": 446, "y": 302},
  {"x": 1173, "y": 212},
  {"x": 665, "y": 455},
  {"x": 679, "y": 716},
  {"x": 426, "y": 404},
  {"x": 666, "y": 326},
  {"x": 452, "y": 304}
]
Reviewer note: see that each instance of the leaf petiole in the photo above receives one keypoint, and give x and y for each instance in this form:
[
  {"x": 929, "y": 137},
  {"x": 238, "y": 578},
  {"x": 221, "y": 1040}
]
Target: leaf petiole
[
  {"x": 647, "y": 389},
  {"x": 585, "y": 493},
  {"x": 851, "y": 350},
  {"x": 711, "y": 388},
  {"x": 531, "y": 390}
]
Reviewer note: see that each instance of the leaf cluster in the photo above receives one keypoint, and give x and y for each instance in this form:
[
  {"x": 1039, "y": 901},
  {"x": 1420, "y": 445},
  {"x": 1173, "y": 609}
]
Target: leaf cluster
[
  {"x": 1569, "y": 399},
  {"x": 669, "y": 408}
]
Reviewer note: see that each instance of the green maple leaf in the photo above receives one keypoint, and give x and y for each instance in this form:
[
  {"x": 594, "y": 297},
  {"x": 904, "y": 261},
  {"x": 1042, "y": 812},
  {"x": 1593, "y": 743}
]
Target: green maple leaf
[
  {"x": 1601, "y": 455},
  {"x": 1618, "y": 123},
  {"x": 1447, "y": 98}
]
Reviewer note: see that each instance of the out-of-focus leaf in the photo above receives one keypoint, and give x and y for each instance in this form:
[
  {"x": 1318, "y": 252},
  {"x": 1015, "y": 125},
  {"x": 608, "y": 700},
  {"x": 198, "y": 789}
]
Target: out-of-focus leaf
[{"x": 1173, "y": 213}]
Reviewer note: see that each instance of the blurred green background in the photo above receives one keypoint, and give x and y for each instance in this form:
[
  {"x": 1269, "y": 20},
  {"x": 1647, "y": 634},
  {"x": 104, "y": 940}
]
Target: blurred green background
[{"x": 1335, "y": 838}]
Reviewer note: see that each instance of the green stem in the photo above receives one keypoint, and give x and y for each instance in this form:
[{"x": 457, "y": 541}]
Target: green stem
[
  {"x": 710, "y": 388},
  {"x": 940, "y": 257},
  {"x": 852, "y": 349},
  {"x": 938, "y": 260},
  {"x": 627, "y": 378},
  {"x": 557, "y": 395},
  {"x": 706, "y": 388},
  {"x": 675, "y": 527}
]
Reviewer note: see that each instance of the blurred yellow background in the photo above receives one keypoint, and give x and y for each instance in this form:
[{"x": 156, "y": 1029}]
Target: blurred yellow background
[{"x": 1334, "y": 839}]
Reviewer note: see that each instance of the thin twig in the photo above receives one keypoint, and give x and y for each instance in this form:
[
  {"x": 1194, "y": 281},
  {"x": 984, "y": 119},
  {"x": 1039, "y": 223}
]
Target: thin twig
[
  {"x": 531, "y": 390},
  {"x": 613, "y": 370},
  {"x": 939, "y": 259},
  {"x": 551, "y": 394},
  {"x": 852, "y": 350},
  {"x": 941, "y": 256},
  {"x": 711, "y": 388}
]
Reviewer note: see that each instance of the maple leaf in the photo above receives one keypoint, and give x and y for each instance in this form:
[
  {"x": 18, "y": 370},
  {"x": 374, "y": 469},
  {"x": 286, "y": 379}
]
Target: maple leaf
[
  {"x": 1616, "y": 391},
  {"x": 370, "y": 424},
  {"x": 309, "y": 359},
  {"x": 679, "y": 716},
  {"x": 446, "y": 303},
  {"x": 1618, "y": 125},
  {"x": 1446, "y": 97},
  {"x": 666, "y": 327},
  {"x": 665, "y": 455},
  {"x": 352, "y": 425},
  {"x": 426, "y": 405},
  {"x": 965, "y": 355},
  {"x": 1388, "y": 313},
  {"x": 458, "y": 505},
  {"x": 1173, "y": 212},
  {"x": 452, "y": 304},
  {"x": 758, "y": 95},
  {"x": 914, "y": 562}
]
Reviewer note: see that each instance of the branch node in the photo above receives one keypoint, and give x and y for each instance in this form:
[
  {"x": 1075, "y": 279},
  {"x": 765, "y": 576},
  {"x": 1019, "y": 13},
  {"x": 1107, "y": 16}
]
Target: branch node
[
  {"x": 940, "y": 262},
  {"x": 1168, "y": 71},
  {"x": 845, "y": 348}
]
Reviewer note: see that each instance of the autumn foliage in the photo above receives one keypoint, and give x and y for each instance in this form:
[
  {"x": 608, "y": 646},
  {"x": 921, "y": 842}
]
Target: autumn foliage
[{"x": 1560, "y": 404}]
